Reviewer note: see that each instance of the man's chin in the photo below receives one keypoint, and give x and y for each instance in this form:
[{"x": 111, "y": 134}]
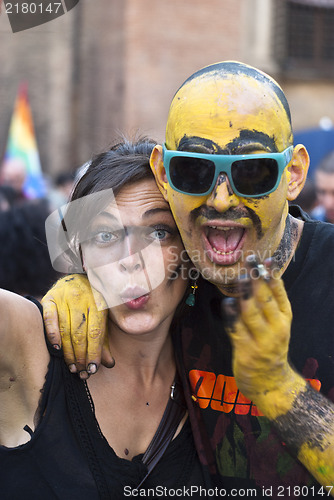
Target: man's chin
[{"x": 222, "y": 276}]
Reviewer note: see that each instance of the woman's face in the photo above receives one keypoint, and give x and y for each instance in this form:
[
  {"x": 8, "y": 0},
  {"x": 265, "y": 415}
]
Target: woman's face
[{"x": 135, "y": 258}]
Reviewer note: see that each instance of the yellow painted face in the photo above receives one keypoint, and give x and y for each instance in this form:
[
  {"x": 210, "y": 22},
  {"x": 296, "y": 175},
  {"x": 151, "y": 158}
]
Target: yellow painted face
[{"x": 233, "y": 115}]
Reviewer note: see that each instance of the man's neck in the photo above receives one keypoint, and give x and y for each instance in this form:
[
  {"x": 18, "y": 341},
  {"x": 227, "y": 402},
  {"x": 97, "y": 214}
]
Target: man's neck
[{"x": 288, "y": 244}]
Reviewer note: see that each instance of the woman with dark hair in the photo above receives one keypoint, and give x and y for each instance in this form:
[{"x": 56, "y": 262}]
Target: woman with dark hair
[{"x": 66, "y": 437}]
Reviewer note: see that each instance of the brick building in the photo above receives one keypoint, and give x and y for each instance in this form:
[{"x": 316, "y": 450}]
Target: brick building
[{"x": 112, "y": 66}]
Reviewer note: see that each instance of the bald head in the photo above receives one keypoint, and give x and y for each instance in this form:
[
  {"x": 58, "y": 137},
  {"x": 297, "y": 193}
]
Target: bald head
[
  {"x": 225, "y": 106},
  {"x": 228, "y": 108}
]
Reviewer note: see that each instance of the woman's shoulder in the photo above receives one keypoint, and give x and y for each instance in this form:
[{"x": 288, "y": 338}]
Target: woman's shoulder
[{"x": 23, "y": 363}]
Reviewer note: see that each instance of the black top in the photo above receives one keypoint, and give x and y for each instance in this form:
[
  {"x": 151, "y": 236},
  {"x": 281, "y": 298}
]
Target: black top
[
  {"x": 68, "y": 458},
  {"x": 235, "y": 441}
]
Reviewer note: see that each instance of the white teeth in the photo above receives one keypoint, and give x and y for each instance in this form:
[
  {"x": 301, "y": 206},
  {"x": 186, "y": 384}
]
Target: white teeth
[
  {"x": 222, "y": 228},
  {"x": 222, "y": 253}
]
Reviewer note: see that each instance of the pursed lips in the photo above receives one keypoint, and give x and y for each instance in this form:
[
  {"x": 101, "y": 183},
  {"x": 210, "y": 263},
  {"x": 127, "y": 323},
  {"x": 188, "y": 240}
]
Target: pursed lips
[{"x": 133, "y": 292}]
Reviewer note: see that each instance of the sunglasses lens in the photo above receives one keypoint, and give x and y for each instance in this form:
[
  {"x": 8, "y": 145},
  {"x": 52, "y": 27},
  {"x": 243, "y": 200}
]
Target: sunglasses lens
[
  {"x": 255, "y": 177},
  {"x": 191, "y": 175}
]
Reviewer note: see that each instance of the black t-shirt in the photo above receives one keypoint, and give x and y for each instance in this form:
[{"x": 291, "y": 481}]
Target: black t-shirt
[{"x": 234, "y": 440}]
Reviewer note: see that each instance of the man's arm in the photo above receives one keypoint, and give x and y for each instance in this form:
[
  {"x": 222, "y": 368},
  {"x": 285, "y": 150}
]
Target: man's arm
[
  {"x": 75, "y": 318},
  {"x": 259, "y": 328}
]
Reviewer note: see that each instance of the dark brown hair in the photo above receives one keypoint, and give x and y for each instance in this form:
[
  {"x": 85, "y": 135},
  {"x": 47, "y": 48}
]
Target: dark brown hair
[{"x": 122, "y": 165}]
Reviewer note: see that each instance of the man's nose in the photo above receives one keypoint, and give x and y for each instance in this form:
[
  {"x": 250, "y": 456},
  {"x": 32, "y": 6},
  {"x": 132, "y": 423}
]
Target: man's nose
[{"x": 222, "y": 197}]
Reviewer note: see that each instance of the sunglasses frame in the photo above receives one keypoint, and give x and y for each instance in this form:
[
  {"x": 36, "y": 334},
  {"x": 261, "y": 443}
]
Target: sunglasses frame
[{"x": 223, "y": 163}]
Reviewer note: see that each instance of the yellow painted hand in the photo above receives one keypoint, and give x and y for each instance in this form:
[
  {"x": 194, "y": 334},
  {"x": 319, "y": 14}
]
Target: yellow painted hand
[
  {"x": 258, "y": 324},
  {"x": 75, "y": 318}
]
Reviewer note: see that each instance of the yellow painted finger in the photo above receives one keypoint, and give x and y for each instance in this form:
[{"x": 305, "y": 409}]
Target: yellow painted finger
[
  {"x": 64, "y": 328},
  {"x": 107, "y": 359},
  {"x": 250, "y": 312},
  {"x": 233, "y": 321},
  {"x": 78, "y": 334},
  {"x": 266, "y": 301},
  {"x": 50, "y": 315},
  {"x": 96, "y": 334},
  {"x": 279, "y": 292}
]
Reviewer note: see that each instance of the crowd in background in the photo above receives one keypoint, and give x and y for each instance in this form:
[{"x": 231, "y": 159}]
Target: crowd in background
[
  {"x": 317, "y": 196},
  {"x": 25, "y": 263}
]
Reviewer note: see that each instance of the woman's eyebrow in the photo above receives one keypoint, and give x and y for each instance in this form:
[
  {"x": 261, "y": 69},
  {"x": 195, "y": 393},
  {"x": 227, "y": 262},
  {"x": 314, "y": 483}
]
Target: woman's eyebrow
[
  {"x": 153, "y": 211},
  {"x": 108, "y": 215}
]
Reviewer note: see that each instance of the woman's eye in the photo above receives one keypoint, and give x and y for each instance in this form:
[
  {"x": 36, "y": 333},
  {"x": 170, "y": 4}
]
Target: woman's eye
[
  {"x": 105, "y": 237},
  {"x": 160, "y": 234}
]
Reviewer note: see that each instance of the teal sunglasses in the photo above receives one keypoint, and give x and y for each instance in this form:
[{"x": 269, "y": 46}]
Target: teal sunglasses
[{"x": 250, "y": 176}]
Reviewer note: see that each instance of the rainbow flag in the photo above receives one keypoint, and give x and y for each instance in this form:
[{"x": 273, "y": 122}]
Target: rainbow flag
[{"x": 22, "y": 146}]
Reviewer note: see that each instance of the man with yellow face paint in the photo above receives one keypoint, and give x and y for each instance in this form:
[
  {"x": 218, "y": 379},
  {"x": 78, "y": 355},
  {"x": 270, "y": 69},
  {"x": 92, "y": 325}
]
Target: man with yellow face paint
[
  {"x": 228, "y": 169},
  {"x": 230, "y": 109}
]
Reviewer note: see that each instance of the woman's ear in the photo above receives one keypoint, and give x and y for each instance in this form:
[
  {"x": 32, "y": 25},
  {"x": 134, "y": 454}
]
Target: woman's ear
[
  {"x": 297, "y": 171},
  {"x": 158, "y": 169}
]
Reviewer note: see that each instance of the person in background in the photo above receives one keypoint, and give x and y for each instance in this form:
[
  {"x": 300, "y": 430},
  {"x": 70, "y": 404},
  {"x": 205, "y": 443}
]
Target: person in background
[
  {"x": 307, "y": 200},
  {"x": 7, "y": 197},
  {"x": 25, "y": 266},
  {"x": 13, "y": 174},
  {"x": 324, "y": 186},
  {"x": 64, "y": 183},
  {"x": 59, "y": 189}
]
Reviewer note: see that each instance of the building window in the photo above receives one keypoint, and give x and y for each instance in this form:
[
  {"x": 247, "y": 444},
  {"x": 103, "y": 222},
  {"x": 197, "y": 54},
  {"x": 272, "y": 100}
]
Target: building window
[{"x": 304, "y": 40}]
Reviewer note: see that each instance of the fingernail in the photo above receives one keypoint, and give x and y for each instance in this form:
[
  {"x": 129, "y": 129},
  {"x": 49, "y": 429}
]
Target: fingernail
[
  {"x": 252, "y": 260},
  {"x": 253, "y": 263},
  {"x": 83, "y": 375},
  {"x": 269, "y": 262},
  {"x": 230, "y": 311},
  {"x": 272, "y": 268},
  {"x": 56, "y": 346},
  {"x": 258, "y": 270},
  {"x": 111, "y": 364},
  {"x": 263, "y": 273},
  {"x": 245, "y": 287},
  {"x": 91, "y": 368},
  {"x": 72, "y": 368}
]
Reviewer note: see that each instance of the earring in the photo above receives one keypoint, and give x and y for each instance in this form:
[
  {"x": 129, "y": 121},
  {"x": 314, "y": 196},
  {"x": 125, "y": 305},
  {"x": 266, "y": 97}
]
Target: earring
[{"x": 190, "y": 301}]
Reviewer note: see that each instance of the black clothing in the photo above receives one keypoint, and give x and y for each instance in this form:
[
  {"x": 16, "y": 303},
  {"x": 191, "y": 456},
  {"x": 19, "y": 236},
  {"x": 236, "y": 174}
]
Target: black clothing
[
  {"x": 68, "y": 458},
  {"x": 235, "y": 441}
]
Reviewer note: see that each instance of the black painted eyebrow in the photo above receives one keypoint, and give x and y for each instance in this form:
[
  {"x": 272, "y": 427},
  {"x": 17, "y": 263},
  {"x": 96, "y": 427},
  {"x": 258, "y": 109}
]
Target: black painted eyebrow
[
  {"x": 250, "y": 140},
  {"x": 247, "y": 142},
  {"x": 195, "y": 144}
]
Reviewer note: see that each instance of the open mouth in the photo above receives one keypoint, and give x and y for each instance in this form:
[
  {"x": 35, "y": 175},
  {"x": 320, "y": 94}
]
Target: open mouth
[{"x": 224, "y": 243}]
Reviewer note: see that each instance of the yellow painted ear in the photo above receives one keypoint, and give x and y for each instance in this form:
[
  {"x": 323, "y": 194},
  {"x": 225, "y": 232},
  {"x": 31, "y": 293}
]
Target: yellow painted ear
[
  {"x": 158, "y": 169},
  {"x": 297, "y": 171}
]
